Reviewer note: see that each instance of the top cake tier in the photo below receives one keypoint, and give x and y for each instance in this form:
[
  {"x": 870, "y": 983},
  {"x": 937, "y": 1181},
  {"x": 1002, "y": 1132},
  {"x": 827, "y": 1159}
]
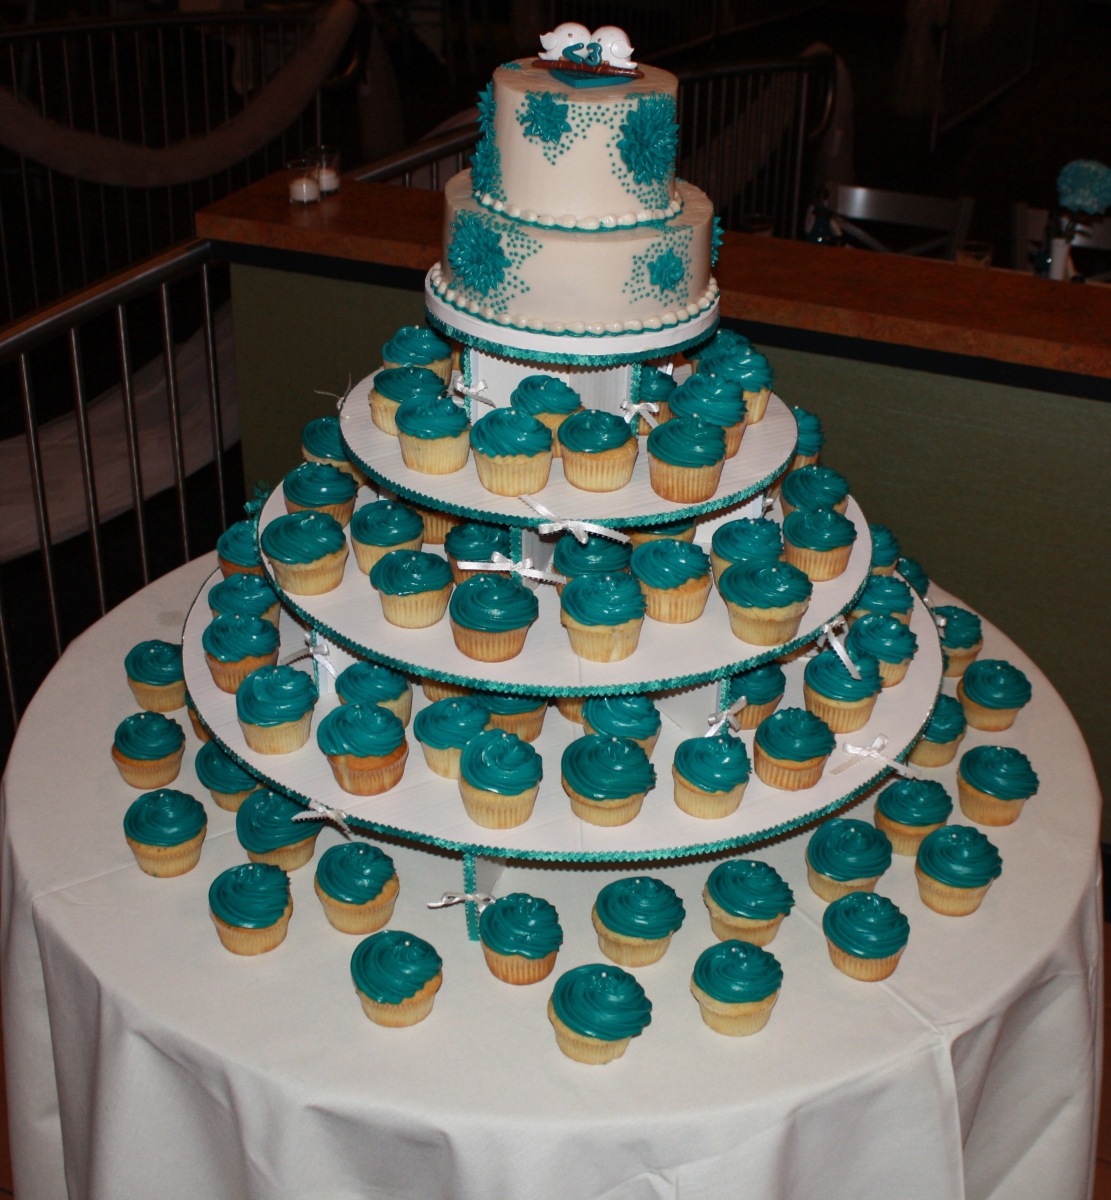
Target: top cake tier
[{"x": 592, "y": 158}]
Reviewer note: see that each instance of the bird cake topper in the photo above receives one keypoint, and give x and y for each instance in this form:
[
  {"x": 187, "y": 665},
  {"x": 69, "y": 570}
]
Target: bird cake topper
[{"x": 580, "y": 58}]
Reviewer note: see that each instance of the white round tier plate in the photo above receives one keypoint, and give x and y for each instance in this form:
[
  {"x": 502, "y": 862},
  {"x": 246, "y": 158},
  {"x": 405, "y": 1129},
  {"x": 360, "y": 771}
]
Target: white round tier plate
[
  {"x": 668, "y": 656},
  {"x": 767, "y": 448},
  {"x": 608, "y": 349},
  {"x": 427, "y": 809}
]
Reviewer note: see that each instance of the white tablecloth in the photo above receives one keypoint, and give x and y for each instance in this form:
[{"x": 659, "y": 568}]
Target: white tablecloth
[{"x": 143, "y": 1060}]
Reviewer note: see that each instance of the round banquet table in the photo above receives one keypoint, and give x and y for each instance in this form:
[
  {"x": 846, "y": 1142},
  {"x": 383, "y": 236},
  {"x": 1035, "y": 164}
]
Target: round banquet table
[{"x": 145, "y": 1060}]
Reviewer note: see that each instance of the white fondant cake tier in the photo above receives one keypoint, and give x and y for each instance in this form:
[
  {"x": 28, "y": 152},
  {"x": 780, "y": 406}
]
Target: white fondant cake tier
[
  {"x": 579, "y": 157},
  {"x": 579, "y": 285}
]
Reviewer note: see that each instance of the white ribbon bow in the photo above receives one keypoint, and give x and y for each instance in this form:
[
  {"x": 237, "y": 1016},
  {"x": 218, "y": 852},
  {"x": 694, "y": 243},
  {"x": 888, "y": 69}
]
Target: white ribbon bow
[
  {"x": 499, "y": 562},
  {"x": 581, "y": 530},
  {"x": 474, "y": 391},
  {"x": 830, "y": 630},
  {"x": 644, "y": 409},
  {"x": 324, "y": 812},
  {"x": 481, "y": 899},
  {"x": 727, "y": 716},
  {"x": 876, "y": 751},
  {"x": 318, "y": 650},
  {"x": 338, "y": 399}
]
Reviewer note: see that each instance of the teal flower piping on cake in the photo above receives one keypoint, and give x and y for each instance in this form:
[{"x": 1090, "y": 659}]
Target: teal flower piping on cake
[
  {"x": 959, "y": 856},
  {"x": 846, "y": 849},
  {"x": 751, "y": 889},
  {"x": 392, "y": 965},
  {"x": 666, "y": 272},
  {"x": 354, "y": 872},
  {"x": 866, "y": 925},
  {"x": 601, "y": 1001},
  {"x": 650, "y": 138},
  {"x": 736, "y": 972},
  {"x": 544, "y": 117},
  {"x": 487, "y": 108},
  {"x": 486, "y": 158},
  {"x": 521, "y": 924},
  {"x": 716, "y": 239},
  {"x": 640, "y": 907},
  {"x": 476, "y": 255}
]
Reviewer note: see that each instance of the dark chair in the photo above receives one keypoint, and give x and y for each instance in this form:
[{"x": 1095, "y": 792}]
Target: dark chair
[
  {"x": 951, "y": 218},
  {"x": 1028, "y": 236}
]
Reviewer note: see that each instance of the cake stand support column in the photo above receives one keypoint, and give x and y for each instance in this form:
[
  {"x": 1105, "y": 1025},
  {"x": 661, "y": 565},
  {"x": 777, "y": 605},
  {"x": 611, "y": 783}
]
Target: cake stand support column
[{"x": 479, "y": 875}]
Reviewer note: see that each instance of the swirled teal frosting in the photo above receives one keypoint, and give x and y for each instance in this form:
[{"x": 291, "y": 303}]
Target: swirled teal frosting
[
  {"x": 751, "y": 889},
  {"x": 275, "y": 695},
  {"x": 410, "y": 572},
  {"x": 362, "y": 730},
  {"x": 370, "y": 683},
  {"x": 883, "y": 637},
  {"x": 914, "y": 575},
  {"x": 544, "y": 394},
  {"x": 314, "y": 484},
  {"x": 845, "y": 849},
  {"x": 512, "y": 706},
  {"x": 593, "y": 431},
  {"x": 391, "y": 966},
  {"x": 829, "y": 676},
  {"x": 760, "y": 684},
  {"x": 713, "y": 764},
  {"x": 815, "y": 487},
  {"x": 737, "y": 972},
  {"x": 994, "y": 683},
  {"x": 522, "y": 925},
  {"x": 431, "y": 417},
  {"x": 603, "y": 599},
  {"x": 886, "y": 595},
  {"x": 601, "y": 554},
  {"x": 640, "y": 907},
  {"x": 818, "y": 528},
  {"x": 795, "y": 735},
  {"x": 232, "y": 639},
  {"x": 415, "y": 346},
  {"x": 451, "y": 722},
  {"x": 250, "y": 896},
  {"x": 915, "y": 802},
  {"x": 504, "y": 432},
  {"x": 148, "y": 736},
  {"x": 159, "y": 663},
  {"x": 303, "y": 537},
  {"x": 408, "y": 383},
  {"x": 601, "y": 1002},
  {"x": 810, "y": 438},
  {"x": 962, "y": 630},
  {"x": 265, "y": 822},
  {"x": 622, "y": 716},
  {"x": 724, "y": 342},
  {"x": 242, "y": 595},
  {"x": 667, "y": 563},
  {"x": 238, "y": 544},
  {"x": 354, "y": 872},
  {"x": 959, "y": 856},
  {"x": 712, "y": 397},
  {"x": 499, "y": 762},
  {"x": 726, "y": 359},
  {"x": 866, "y": 925},
  {"x": 321, "y": 437},
  {"x": 687, "y": 442},
  {"x": 748, "y": 540},
  {"x": 764, "y": 585},
  {"x": 668, "y": 528},
  {"x": 164, "y": 818},
  {"x": 493, "y": 603},
  {"x": 947, "y": 722},
  {"x": 885, "y": 545},
  {"x": 607, "y": 768},
  {"x": 655, "y": 386},
  {"x": 219, "y": 773},
  {"x": 474, "y": 542},
  {"x": 385, "y": 523},
  {"x": 752, "y": 371},
  {"x": 1000, "y": 771}
]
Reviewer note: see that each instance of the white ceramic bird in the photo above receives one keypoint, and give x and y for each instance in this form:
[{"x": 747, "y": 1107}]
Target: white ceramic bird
[
  {"x": 615, "y": 46},
  {"x": 570, "y": 33}
]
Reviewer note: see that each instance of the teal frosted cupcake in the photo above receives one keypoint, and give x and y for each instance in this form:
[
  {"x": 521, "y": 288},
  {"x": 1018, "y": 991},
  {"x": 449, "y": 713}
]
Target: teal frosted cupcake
[
  {"x": 885, "y": 550},
  {"x": 415, "y": 346},
  {"x": 372, "y": 683},
  {"x": 606, "y": 779},
  {"x": 885, "y": 595},
  {"x": 228, "y": 783},
  {"x": 746, "y": 540},
  {"x": 274, "y": 706},
  {"x": 549, "y": 400},
  {"x": 685, "y": 459},
  {"x": 675, "y": 579},
  {"x": 845, "y": 855},
  {"x": 244, "y": 596},
  {"x": 747, "y": 901},
  {"x": 751, "y": 370},
  {"x": 520, "y": 936},
  {"x": 991, "y": 693},
  {"x": 913, "y": 573},
  {"x": 955, "y": 867},
  {"x": 832, "y": 693},
  {"x": 378, "y": 528},
  {"x": 165, "y": 830},
  {"x": 710, "y": 775},
  {"x": 357, "y": 887},
  {"x": 319, "y": 487},
  {"x": 235, "y": 646},
  {"x": 736, "y": 985},
  {"x": 499, "y": 776},
  {"x": 814, "y": 487},
  {"x": 725, "y": 344},
  {"x": 237, "y": 549},
  {"x": 597, "y": 556},
  {"x": 396, "y": 976},
  {"x": 715, "y": 399},
  {"x": 599, "y": 450},
  {"x": 307, "y": 552},
  {"x": 321, "y": 443},
  {"x": 250, "y": 906},
  {"x": 993, "y": 783},
  {"x": 888, "y": 640},
  {"x": 866, "y": 935},
  {"x": 634, "y": 717},
  {"x": 491, "y": 616},
  {"x": 819, "y": 541},
  {"x": 413, "y": 586},
  {"x": 267, "y": 830},
  {"x": 655, "y": 387},
  {"x": 909, "y": 809},
  {"x": 791, "y": 748},
  {"x": 763, "y": 688},
  {"x": 147, "y": 749},
  {"x": 475, "y": 542},
  {"x": 635, "y": 919},
  {"x": 434, "y": 435},
  {"x": 766, "y": 601},
  {"x": 942, "y": 735},
  {"x": 445, "y": 727},
  {"x": 512, "y": 452},
  {"x": 596, "y": 1010},
  {"x": 680, "y": 531},
  {"x": 603, "y": 615},
  {"x": 962, "y": 637},
  {"x": 366, "y": 748},
  {"x": 155, "y": 673},
  {"x": 522, "y": 715},
  {"x": 393, "y": 386}
]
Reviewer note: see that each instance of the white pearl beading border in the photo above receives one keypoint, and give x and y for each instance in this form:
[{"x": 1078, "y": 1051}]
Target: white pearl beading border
[
  {"x": 628, "y": 220},
  {"x": 672, "y": 317}
]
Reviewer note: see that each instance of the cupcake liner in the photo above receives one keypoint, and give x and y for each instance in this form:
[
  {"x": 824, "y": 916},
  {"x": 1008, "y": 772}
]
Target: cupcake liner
[
  {"x": 348, "y": 468},
  {"x": 229, "y": 568},
  {"x": 199, "y": 730},
  {"x": 278, "y": 739},
  {"x": 949, "y": 901},
  {"x": 516, "y": 969},
  {"x": 227, "y": 676},
  {"x": 435, "y": 456},
  {"x": 437, "y": 525},
  {"x": 893, "y": 673},
  {"x": 867, "y": 970},
  {"x": 733, "y": 435},
  {"x": 677, "y": 606},
  {"x": 492, "y": 810},
  {"x": 934, "y": 754},
  {"x": 526, "y": 726},
  {"x": 290, "y": 857},
  {"x": 513, "y": 474},
  {"x": 988, "y": 720},
  {"x": 252, "y": 941},
  {"x": 840, "y": 507},
  {"x": 341, "y": 512},
  {"x": 819, "y": 566},
  {"x": 359, "y": 918},
  {"x": 553, "y": 421},
  {"x": 602, "y": 643},
  {"x": 571, "y": 707},
  {"x": 578, "y": 1046},
  {"x": 418, "y": 611},
  {"x": 441, "y": 367},
  {"x": 756, "y": 404},
  {"x": 683, "y": 485},
  {"x": 165, "y": 862},
  {"x": 882, "y": 570},
  {"x": 435, "y": 690},
  {"x": 489, "y": 647},
  {"x": 231, "y": 801},
  {"x": 149, "y": 773},
  {"x": 708, "y": 806},
  {"x": 411, "y": 1011},
  {"x": 727, "y": 925},
  {"x": 311, "y": 579},
  {"x": 383, "y": 412},
  {"x": 367, "y": 556},
  {"x": 752, "y": 714},
  {"x": 857, "y": 613},
  {"x": 960, "y": 659},
  {"x": 766, "y": 626},
  {"x": 401, "y": 706},
  {"x": 608, "y": 813},
  {"x": 786, "y": 775},
  {"x": 842, "y": 716},
  {"x": 604, "y": 472},
  {"x": 638, "y": 537},
  {"x": 828, "y": 889},
  {"x": 628, "y": 951},
  {"x": 734, "y": 1020},
  {"x": 445, "y": 762},
  {"x": 984, "y": 809},
  {"x": 158, "y": 697},
  {"x": 372, "y": 775},
  {"x": 904, "y": 839}
]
